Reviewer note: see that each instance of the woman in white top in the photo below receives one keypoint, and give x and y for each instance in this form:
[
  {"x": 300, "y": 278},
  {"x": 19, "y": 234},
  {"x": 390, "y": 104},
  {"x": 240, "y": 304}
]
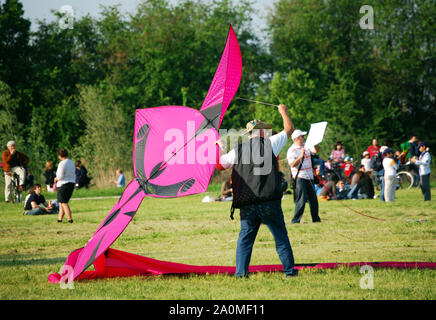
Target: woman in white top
[
  {"x": 390, "y": 167},
  {"x": 65, "y": 180},
  {"x": 423, "y": 162}
]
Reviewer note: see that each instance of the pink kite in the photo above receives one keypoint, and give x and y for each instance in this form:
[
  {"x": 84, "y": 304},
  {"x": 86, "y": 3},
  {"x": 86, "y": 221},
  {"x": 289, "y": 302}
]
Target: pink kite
[{"x": 174, "y": 154}]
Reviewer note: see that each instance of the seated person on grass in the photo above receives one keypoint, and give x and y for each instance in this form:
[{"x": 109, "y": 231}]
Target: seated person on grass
[
  {"x": 226, "y": 191},
  {"x": 328, "y": 191},
  {"x": 341, "y": 191},
  {"x": 35, "y": 203}
]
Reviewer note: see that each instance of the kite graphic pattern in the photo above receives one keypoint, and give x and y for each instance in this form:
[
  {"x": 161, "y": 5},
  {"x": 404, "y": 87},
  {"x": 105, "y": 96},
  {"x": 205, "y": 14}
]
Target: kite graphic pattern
[{"x": 165, "y": 166}]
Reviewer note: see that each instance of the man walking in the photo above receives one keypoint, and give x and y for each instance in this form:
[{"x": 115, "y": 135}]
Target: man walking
[
  {"x": 301, "y": 170},
  {"x": 13, "y": 162},
  {"x": 257, "y": 190}
]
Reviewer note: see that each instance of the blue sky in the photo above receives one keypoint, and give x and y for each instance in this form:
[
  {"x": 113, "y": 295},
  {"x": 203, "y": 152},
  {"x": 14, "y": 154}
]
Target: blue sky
[{"x": 41, "y": 9}]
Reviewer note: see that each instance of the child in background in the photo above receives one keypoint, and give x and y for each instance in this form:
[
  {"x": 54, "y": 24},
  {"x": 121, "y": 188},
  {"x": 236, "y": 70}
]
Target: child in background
[
  {"x": 390, "y": 167},
  {"x": 366, "y": 161},
  {"x": 347, "y": 166}
]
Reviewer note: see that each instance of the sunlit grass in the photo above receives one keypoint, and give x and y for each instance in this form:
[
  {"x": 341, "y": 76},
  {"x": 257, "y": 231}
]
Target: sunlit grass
[{"x": 188, "y": 231}]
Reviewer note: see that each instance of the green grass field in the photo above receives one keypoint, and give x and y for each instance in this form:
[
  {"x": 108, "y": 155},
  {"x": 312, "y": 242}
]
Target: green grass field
[{"x": 188, "y": 231}]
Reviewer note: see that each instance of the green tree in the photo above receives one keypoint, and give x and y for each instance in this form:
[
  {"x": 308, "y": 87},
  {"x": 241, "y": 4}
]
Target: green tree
[
  {"x": 15, "y": 52},
  {"x": 105, "y": 145}
]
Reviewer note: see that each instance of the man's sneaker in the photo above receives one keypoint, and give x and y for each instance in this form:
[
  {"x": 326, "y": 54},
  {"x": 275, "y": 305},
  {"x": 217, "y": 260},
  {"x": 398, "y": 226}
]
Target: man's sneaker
[{"x": 293, "y": 274}]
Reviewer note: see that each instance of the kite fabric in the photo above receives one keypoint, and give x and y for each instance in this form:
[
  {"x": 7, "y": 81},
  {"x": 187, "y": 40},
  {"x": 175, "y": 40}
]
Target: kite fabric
[
  {"x": 116, "y": 263},
  {"x": 174, "y": 155}
]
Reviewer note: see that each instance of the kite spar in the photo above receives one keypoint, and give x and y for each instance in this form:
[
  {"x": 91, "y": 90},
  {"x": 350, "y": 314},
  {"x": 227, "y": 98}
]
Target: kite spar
[{"x": 163, "y": 168}]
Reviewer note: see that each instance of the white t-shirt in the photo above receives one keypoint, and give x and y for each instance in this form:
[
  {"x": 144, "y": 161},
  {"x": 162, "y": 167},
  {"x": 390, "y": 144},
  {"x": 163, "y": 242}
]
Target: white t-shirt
[
  {"x": 366, "y": 163},
  {"x": 390, "y": 166},
  {"x": 66, "y": 172},
  {"x": 306, "y": 171},
  {"x": 278, "y": 141}
]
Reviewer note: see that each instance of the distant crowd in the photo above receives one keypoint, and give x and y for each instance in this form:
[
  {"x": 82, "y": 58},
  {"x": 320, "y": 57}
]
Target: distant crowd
[
  {"x": 341, "y": 178},
  {"x": 63, "y": 179}
]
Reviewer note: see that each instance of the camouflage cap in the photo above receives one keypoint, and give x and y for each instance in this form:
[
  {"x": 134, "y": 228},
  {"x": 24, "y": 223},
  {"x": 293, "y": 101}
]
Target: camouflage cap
[{"x": 256, "y": 124}]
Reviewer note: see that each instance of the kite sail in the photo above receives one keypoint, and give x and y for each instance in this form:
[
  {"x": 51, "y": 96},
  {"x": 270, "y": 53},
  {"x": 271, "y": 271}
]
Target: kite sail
[{"x": 174, "y": 155}]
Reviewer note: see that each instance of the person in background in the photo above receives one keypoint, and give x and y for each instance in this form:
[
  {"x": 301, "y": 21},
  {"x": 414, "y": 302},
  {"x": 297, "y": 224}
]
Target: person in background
[
  {"x": 317, "y": 161},
  {"x": 13, "y": 162},
  {"x": 299, "y": 160},
  {"x": 423, "y": 161},
  {"x": 328, "y": 191},
  {"x": 35, "y": 203},
  {"x": 342, "y": 191},
  {"x": 409, "y": 148},
  {"x": 65, "y": 181},
  {"x": 354, "y": 181},
  {"x": 338, "y": 153},
  {"x": 365, "y": 187},
  {"x": 226, "y": 191},
  {"x": 366, "y": 161},
  {"x": 82, "y": 179},
  {"x": 328, "y": 164},
  {"x": 390, "y": 167},
  {"x": 50, "y": 175},
  {"x": 121, "y": 180},
  {"x": 373, "y": 149},
  {"x": 29, "y": 178},
  {"x": 348, "y": 167},
  {"x": 379, "y": 173}
]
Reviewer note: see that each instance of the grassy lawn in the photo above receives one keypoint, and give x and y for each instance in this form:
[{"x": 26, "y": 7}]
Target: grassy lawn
[{"x": 188, "y": 231}]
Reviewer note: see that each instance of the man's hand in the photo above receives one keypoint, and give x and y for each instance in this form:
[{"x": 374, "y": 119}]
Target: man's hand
[
  {"x": 282, "y": 108},
  {"x": 288, "y": 126}
]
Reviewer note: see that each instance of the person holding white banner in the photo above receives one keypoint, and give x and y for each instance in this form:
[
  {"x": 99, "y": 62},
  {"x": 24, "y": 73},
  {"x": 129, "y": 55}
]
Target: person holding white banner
[{"x": 301, "y": 170}]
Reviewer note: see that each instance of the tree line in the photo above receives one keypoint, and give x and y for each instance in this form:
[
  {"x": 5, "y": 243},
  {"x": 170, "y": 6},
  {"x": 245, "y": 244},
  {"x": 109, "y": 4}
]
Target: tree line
[{"x": 79, "y": 88}]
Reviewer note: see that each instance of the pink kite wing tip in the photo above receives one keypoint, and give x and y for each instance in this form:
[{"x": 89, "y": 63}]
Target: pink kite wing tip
[{"x": 54, "y": 278}]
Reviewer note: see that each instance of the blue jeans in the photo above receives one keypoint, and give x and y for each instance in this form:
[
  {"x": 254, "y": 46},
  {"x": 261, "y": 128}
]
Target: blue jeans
[
  {"x": 271, "y": 214},
  {"x": 38, "y": 211},
  {"x": 382, "y": 188}
]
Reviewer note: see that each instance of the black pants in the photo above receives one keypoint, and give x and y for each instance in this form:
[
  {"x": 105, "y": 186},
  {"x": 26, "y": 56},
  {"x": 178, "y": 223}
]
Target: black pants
[
  {"x": 425, "y": 186},
  {"x": 305, "y": 192}
]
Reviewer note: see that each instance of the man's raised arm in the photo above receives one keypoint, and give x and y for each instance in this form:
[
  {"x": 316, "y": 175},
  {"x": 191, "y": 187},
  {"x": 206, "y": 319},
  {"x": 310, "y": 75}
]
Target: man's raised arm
[{"x": 288, "y": 126}]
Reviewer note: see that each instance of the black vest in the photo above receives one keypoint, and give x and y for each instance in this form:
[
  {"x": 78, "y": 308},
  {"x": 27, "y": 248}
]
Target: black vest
[{"x": 255, "y": 176}]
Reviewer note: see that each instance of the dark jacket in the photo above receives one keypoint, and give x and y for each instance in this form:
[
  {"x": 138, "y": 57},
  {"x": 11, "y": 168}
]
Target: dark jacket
[
  {"x": 17, "y": 159},
  {"x": 251, "y": 184}
]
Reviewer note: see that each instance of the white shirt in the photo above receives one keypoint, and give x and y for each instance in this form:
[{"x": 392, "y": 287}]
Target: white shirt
[
  {"x": 306, "y": 168},
  {"x": 66, "y": 172},
  {"x": 424, "y": 163},
  {"x": 278, "y": 141},
  {"x": 390, "y": 166},
  {"x": 366, "y": 163}
]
